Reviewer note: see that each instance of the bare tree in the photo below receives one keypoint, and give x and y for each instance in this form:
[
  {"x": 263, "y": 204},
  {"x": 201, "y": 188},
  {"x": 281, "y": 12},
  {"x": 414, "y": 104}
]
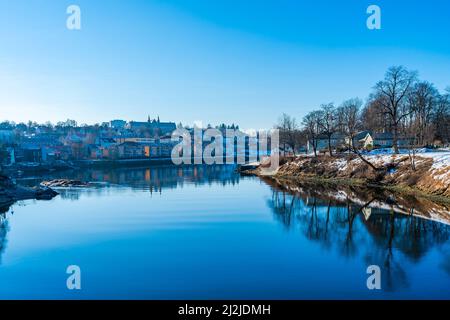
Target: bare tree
[
  {"x": 328, "y": 123},
  {"x": 311, "y": 124},
  {"x": 288, "y": 131},
  {"x": 351, "y": 124},
  {"x": 442, "y": 117},
  {"x": 392, "y": 93},
  {"x": 423, "y": 102},
  {"x": 374, "y": 118}
]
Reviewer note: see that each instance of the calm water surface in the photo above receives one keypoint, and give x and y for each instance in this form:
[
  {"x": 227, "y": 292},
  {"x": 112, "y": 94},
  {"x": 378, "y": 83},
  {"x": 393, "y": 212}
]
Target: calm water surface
[{"x": 205, "y": 232}]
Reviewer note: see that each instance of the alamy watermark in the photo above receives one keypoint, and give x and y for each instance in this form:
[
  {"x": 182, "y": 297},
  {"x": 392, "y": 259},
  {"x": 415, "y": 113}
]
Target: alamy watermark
[
  {"x": 73, "y": 282},
  {"x": 73, "y": 21},
  {"x": 374, "y": 20},
  {"x": 228, "y": 146},
  {"x": 374, "y": 280}
]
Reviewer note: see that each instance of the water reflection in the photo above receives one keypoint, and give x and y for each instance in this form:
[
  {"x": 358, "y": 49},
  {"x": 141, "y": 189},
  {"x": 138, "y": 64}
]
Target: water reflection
[
  {"x": 383, "y": 228},
  {"x": 153, "y": 179}
]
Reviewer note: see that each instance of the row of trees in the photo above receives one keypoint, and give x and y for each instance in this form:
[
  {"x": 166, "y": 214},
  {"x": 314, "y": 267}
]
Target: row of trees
[{"x": 400, "y": 104}]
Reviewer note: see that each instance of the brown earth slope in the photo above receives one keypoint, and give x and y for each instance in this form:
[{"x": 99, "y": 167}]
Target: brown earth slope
[{"x": 427, "y": 175}]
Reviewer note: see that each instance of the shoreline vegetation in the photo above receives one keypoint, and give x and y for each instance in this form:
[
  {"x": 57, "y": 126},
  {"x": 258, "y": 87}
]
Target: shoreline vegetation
[{"x": 428, "y": 179}]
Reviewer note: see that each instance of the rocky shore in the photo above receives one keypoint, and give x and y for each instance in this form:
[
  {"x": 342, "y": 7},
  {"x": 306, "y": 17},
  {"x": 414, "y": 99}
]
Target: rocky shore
[{"x": 11, "y": 192}]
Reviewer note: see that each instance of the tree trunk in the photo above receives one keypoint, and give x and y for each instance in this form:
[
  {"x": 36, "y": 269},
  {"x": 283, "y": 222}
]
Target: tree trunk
[
  {"x": 315, "y": 148},
  {"x": 329, "y": 146},
  {"x": 395, "y": 139},
  {"x": 364, "y": 159}
]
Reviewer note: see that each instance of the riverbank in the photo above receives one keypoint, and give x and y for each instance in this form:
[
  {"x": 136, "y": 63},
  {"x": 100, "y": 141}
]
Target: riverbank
[
  {"x": 10, "y": 192},
  {"x": 424, "y": 174}
]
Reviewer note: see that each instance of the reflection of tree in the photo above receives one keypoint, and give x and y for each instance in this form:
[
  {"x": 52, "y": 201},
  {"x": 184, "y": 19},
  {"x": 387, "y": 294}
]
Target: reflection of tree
[
  {"x": 445, "y": 264},
  {"x": 383, "y": 230},
  {"x": 411, "y": 235},
  {"x": 4, "y": 228},
  {"x": 382, "y": 236}
]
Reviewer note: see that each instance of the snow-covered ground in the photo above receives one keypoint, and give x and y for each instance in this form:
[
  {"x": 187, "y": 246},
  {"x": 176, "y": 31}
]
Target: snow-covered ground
[
  {"x": 438, "y": 172},
  {"x": 441, "y": 159}
]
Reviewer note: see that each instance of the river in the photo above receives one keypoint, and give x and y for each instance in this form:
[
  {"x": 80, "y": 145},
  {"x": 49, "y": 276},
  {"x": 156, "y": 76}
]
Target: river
[{"x": 205, "y": 232}]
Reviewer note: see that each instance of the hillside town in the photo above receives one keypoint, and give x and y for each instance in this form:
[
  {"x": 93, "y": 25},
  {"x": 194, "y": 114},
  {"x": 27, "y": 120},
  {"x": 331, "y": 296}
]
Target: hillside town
[{"x": 33, "y": 144}]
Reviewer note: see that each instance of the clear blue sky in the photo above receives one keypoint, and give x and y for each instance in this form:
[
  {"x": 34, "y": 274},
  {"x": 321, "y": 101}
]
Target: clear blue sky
[{"x": 240, "y": 61}]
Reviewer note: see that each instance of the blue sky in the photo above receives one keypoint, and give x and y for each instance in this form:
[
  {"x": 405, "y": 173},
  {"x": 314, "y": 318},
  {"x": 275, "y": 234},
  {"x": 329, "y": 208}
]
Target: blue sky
[{"x": 240, "y": 61}]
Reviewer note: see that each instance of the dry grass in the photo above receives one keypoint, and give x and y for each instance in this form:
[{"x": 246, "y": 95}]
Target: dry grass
[{"x": 397, "y": 173}]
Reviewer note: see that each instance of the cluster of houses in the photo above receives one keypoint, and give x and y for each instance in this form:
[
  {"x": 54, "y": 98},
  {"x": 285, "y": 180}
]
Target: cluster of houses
[
  {"x": 117, "y": 139},
  {"x": 364, "y": 140}
]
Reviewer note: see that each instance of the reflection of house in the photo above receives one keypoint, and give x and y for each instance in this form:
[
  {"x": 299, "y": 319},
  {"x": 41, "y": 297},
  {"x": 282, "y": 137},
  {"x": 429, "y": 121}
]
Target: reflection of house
[{"x": 367, "y": 211}]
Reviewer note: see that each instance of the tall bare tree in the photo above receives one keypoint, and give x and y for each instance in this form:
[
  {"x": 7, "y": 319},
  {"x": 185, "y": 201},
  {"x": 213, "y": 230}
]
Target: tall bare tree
[
  {"x": 328, "y": 123},
  {"x": 442, "y": 117},
  {"x": 373, "y": 117},
  {"x": 350, "y": 121},
  {"x": 392, "y": 93},
  {"x": 288, "y": 131},
  {"x": 423, "y": 100},
  {"x": 311, "y": 125},
  {"x": 350, "y": 111}
]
